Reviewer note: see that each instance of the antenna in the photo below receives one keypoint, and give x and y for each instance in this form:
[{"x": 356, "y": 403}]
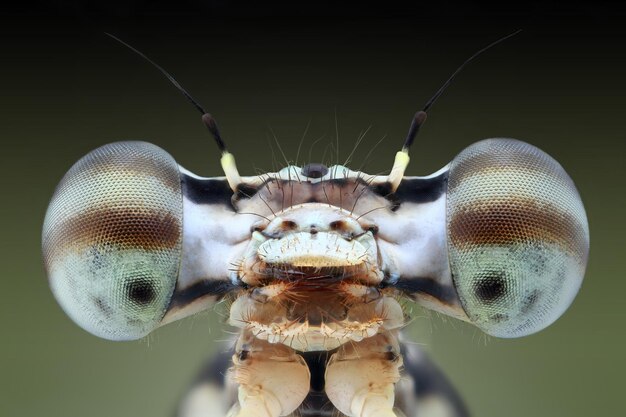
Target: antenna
[
  {"x": 402, "y": 157},
  {"x": 227, "y": 160}
]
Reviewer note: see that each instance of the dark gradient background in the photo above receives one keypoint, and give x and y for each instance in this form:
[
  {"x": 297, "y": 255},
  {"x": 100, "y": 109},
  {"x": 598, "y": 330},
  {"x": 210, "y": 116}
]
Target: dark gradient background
[{"x": 67, "y": 88}]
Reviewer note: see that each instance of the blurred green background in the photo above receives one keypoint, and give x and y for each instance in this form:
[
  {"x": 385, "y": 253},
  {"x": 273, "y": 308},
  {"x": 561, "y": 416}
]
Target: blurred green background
[{"x": 67, "y": 88}]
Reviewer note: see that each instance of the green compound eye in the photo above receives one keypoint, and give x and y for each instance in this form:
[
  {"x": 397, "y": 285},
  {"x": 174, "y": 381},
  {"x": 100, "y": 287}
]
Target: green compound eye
[
  {"x": 518, "y": 237},
  {"x": 112, "y": 239}
]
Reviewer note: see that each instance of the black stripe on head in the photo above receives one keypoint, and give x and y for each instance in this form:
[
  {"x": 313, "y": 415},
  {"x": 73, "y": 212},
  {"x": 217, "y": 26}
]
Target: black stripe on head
[
  {"x": 206, "y": 190},
  {"x": 213, "y": 287},
  {"x": 385, "y": 190},
  {"x": 413, "y": 285},
  {"x": 413, "y": 190},
  {"x": 422, "y": 190},
  {"x": 245, "y": 191}
]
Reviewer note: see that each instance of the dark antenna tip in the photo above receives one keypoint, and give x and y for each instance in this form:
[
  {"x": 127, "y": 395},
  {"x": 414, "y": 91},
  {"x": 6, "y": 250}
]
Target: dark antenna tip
[
  {"x": 207, "y": 119},
  {"x": 210, "y": 123},
  {"x": 417, "y": 122},
  {"x": 420, "y": 116}
]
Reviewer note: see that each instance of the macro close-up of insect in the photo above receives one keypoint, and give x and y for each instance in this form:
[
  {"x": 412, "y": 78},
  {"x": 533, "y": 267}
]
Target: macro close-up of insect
[{"x": 317, "y": 266}]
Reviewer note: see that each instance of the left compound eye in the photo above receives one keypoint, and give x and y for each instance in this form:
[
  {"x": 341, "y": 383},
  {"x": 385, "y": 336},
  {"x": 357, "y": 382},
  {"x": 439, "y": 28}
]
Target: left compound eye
[
  {"x": 517, "y": 236},
  {"x": 112, "y": 239}
]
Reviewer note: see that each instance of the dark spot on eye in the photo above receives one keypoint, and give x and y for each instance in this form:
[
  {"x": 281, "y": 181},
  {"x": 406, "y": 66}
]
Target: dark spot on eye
[
  {"x": 243, "y": 355},
  {"x": 141, "y": 291},
  {"x": 314, "y": 170},
  {"x": 102, "y": 306},
  {"x": 391, "y": 356},
  {"x": 530, "y": 300},
  {"x": 134, "y": 322},
  {"x": 491, "y": 287},
  {"x": 499, "y": 317}
]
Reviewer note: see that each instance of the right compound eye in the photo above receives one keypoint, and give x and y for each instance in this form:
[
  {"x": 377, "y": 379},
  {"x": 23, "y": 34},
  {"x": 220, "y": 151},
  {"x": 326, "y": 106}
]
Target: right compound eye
[
  {"x": 112, "y": 239},
  {"x": 517, "y": 236}
]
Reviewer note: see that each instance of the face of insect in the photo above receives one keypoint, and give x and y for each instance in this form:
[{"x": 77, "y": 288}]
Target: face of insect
[{"x": 314, "y": 257}]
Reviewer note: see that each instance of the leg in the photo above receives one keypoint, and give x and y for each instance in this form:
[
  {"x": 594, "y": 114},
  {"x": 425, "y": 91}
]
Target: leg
[
  {"x": 361, "y": 377},
  {"x": 273, "y": 380},
  {"x": 423, "y": 390}
]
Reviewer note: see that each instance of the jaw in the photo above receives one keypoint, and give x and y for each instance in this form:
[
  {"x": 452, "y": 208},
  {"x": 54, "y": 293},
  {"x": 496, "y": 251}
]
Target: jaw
[
  {"x": 310, "y": 258},
  {"x": 316, "y": 320},
  {"x": 318, "y": 276},
  {"x": 314, "y": 291},
  {"x": 312, "y": 276},
  {"x": 318, "y": 250}
]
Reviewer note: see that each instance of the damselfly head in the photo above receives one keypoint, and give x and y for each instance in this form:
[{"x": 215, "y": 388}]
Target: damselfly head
[{"x": 315, "y": 256}]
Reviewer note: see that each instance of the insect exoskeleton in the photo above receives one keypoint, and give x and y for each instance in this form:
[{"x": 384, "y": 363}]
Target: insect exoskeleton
[
  {"x": 498, "y": 238},
  {"x": 315, "y": 267},
  {"x": 316, "y": 259}
]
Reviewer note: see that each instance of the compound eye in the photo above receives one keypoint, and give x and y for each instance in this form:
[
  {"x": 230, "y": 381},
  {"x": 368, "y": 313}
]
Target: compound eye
[
  {"x": 518, "y": 237},
  {"x": 112, "y": 239}
]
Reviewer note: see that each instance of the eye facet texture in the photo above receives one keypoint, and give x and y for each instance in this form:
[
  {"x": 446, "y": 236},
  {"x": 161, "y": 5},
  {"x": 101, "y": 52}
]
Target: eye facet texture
[
  {"x": 112, "y": 239},
  {"x": 518, "y": 237}
]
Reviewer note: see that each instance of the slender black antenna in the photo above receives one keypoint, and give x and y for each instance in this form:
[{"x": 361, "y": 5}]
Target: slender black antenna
[
  {"x": 420, "y": 116},
  {"x": 207, "y": 119}
]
